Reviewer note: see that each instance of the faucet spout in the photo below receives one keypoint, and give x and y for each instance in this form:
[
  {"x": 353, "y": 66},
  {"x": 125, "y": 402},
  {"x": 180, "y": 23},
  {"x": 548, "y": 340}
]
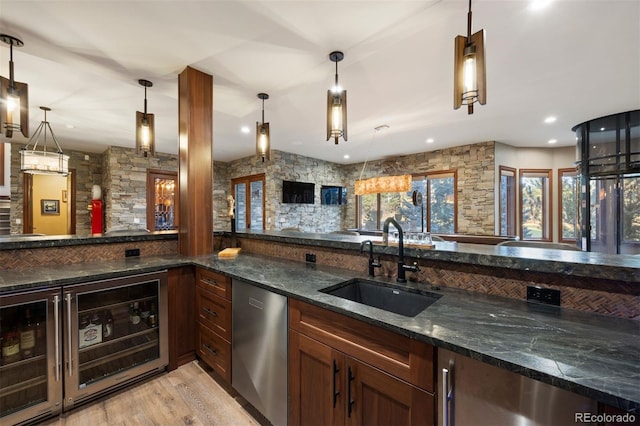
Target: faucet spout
[
  {"x": 385, "y": 236},
  {"x": 372, "y": 264}
]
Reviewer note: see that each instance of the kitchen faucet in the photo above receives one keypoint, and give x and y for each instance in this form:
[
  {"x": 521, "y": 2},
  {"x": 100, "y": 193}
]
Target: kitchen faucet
[
  {"x": 401, "y": 265},
  {"x": 372, "y": 264}
]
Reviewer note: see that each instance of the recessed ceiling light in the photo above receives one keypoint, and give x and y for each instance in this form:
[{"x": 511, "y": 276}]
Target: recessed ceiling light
[
  {"x": 430, "y": 140},
  {"x": 245, "y": 129},
  {"x": 539, "y": 4},
  {"x": 346, "y": 156},
  {"x": 550, "y": 119},
  {"x": 552, "y": 141},
  {"x": 602, "y": 129},
  {"x": 70, "y": 126}
]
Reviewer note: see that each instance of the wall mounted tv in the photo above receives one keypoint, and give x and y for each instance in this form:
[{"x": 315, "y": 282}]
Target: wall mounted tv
[
  {"x": 298, "y": 192},
  {"x": 333, "y": 195}
]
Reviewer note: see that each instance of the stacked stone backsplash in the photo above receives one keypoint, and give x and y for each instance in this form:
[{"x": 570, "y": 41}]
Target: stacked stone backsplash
[
  {"x": 88, "y": 171},
  {"x": 125, "y": 186}
]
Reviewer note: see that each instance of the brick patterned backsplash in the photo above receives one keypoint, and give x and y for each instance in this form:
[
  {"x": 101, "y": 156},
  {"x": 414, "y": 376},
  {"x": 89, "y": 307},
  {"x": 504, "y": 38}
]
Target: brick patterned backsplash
[
  {"x": 575, "y": 293},
  {"x": 26, "y": 259}
]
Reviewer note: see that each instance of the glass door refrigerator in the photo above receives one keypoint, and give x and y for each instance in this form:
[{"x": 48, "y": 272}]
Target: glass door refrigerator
[
  {"x": 68, "y": 345},
  {"x": 115, "y": 332},
  {"x": 30, "y": 362}
]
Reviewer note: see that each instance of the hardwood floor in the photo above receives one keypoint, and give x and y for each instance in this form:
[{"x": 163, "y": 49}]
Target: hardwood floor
[{"x": 186, "y": 396}]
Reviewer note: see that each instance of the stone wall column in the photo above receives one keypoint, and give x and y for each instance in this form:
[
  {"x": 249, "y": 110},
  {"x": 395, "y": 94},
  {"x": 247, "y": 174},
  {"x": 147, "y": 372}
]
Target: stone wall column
[{"x": 196, "y": 162}]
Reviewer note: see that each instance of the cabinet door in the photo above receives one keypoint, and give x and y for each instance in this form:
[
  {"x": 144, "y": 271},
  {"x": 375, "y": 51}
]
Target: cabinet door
[
  {"x": 182, "y": 317},
  {"x": 316, "y": 382},
  {"x": 30, "y": 359},
  {"x": 376, "y": 398}
]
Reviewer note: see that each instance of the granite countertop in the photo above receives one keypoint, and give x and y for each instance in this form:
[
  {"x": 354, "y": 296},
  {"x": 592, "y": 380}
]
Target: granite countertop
[
  {"x": 575, "y": 263},
  {"x": 590, "y": 354}
]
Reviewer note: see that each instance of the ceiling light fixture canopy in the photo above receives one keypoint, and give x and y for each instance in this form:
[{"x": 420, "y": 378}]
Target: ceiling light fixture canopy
[
  {"x": 145, "y": 135},
  {"x": 263, "y": 139},
  {"x": 14, "y": 105},
  {"x": 336, "y": 105},
  {"x": 43, "y": 162},
  {"x": 469, "y": 78}
]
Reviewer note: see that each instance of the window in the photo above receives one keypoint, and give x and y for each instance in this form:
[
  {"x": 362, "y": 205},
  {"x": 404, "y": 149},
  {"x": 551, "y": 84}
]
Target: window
[
  {"x": 507, "y": 201},
  {"x": 630, "y": 194},
  {"x": 535, "y": 205},
  {"x": 162, "y": 188},
  {"x": 249, "y": 195},
  {"x": 436, "y": 213},
  {"x": 568, "y": 198}
]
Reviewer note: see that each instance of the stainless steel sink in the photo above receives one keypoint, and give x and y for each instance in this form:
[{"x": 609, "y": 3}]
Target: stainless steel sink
[{"x": 399, "y": 300}]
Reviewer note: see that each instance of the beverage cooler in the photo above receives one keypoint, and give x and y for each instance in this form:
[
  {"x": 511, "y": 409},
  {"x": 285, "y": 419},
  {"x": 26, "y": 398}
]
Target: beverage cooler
[{"x": 65, "y": 346}]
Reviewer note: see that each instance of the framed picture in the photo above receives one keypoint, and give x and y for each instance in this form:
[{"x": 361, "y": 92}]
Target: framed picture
[{"x": 50, "y": 206}]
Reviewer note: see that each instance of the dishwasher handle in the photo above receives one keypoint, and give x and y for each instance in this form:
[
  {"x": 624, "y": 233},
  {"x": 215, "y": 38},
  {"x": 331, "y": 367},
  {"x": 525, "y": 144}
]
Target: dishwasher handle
[{"x": 447, "y": 394}]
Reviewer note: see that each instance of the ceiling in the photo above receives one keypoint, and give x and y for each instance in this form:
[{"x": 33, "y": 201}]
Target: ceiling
[{"x": 573, "y": 59}]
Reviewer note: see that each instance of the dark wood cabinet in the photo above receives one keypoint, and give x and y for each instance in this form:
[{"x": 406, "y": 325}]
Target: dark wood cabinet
[
  {"x": 213, "y": 316},
  {"x": 336, "y": 374},
  {"x": 182, "y": 319}
]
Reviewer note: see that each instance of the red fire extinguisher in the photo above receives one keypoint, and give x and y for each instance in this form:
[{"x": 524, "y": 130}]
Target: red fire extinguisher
[{"x": 96, "y": 210}]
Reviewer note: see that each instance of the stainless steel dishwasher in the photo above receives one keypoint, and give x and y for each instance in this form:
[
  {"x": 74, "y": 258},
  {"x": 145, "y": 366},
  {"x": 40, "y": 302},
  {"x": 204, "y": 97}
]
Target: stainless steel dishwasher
[{"x": 259, "y": 349}]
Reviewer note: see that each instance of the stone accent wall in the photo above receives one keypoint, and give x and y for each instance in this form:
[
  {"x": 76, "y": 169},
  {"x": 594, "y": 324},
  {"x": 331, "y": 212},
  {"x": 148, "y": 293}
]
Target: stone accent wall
[
  {"x": 124, "y": 188},
  {"x": 221, "y": 188},
  {"x": 286, "y": 166},
  {"x": 88, "y": 171},
  {"x": 475, "y": 171}
]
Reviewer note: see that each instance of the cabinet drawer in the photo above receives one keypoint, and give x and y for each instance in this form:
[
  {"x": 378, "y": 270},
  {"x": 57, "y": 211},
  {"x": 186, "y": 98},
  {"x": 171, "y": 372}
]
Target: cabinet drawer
[
  {"x": 215, "y": 351},
  {"x": 214, "y": 282},
  {"x": 400, "y": 356},
  {"x": 214, "y": 312}
]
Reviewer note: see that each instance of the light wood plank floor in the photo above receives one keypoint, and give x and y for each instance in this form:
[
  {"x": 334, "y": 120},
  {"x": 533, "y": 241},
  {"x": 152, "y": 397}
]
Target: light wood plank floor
[{"x": 186, "y": 396}]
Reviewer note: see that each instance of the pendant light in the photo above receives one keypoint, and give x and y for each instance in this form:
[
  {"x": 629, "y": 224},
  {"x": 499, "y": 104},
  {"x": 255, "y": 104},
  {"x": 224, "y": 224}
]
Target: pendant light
[
  {"x": 263, "y": 139},
  {"x": 336, "y": 106},
  {"x": 14, "y": 105},
  {"x": 469, "y": 79},
  {"x": 43, "y": 162},
  {"x": 145, "y": 136}
]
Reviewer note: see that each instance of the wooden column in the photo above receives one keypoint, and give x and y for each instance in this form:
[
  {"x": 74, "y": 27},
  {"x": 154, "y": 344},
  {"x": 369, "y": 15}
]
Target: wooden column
[{"x": 196, "y": 162}]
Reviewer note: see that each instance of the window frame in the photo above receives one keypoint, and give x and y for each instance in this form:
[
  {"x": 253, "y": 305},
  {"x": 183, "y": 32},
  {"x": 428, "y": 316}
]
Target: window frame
[
  {"x": 417, "y": 176},
  {"x": 512, "y": 223},
  {"x": 573, "y": 172},
  {"x": 247, "y": 181},
  {"x": 547, "y": 203}
]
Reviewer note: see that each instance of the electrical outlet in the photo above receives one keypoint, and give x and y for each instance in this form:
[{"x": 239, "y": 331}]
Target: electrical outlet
[
  {"x": 132, "y": 252},
  {"x": 548, "y": 296},
  {"x": 310, "y": 257}
]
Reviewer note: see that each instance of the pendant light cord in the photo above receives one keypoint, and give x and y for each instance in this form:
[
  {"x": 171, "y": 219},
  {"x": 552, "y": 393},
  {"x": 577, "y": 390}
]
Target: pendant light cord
[{"x": 373, "y": 138}]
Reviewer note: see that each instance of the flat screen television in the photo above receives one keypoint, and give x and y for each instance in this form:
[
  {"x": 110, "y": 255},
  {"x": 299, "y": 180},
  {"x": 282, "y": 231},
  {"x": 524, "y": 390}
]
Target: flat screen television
[
  {"x": 333, "y": 195},
  {"x": 298, "y": 192}
]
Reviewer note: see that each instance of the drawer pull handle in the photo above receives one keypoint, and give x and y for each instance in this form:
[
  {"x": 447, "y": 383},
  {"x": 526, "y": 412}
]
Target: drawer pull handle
[
  {"x": 336, "y": 392},
  {"x": 210, "y": 312},
  {"x": 210, "y": 349},
  {"x": 350, "y": 378},
  {"x": 210, "y": 282}
]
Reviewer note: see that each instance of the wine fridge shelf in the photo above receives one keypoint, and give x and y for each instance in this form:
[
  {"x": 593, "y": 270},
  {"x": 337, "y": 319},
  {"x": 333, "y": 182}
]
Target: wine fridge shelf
[
  {"x": 121, "y": 353},
  {"x": 114, "y": 305},
  {"x": 23, "y": 385}
]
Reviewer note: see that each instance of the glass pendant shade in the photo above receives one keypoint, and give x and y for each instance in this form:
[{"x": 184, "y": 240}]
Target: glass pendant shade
[
  {"x": 469, "y": 77},
  {"x": 145, "y": 125},
  {"x": 263, "y": 141},
  {"x": 43, "y": 161},
  {"x": 336, "y": 106},
  {"x": 14, "y": 102},
  {"x": 263, "y": 138}
]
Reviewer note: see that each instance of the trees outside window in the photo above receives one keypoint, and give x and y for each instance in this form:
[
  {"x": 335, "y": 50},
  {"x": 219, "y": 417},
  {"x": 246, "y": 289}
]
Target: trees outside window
[{"x": 535, "y": 205}]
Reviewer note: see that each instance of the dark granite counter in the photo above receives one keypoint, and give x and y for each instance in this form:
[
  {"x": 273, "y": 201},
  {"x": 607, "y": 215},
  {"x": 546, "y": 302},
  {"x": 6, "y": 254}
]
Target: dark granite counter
[
  {"x": 575, "y": 263},
  {"x": 16, "y": 242},
  {"x": 593, "y": 355}
]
